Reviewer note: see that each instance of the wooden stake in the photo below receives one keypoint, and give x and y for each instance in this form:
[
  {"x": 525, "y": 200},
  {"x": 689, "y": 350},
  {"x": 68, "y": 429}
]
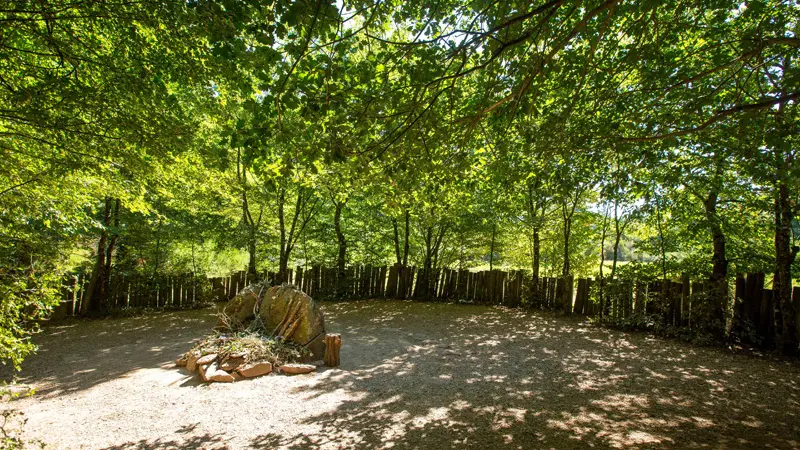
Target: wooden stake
[{"x": 333, "y": 345}]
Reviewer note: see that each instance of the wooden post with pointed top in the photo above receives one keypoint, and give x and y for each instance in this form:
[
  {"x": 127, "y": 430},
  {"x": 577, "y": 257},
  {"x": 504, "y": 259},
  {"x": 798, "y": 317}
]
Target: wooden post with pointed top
[{"x": 333, "y": 345}]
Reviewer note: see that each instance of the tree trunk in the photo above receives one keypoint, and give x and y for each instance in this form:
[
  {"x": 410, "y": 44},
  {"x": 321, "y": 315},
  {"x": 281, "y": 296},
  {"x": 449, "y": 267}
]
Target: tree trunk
[
  {"x": 719, "y": 270},
  {"x": 536, "y": 257},
  {"x": 662, "y": 248},
  {"x": 437, "y": 246},
  {"x": 157, "y": 253},
  {"x": 341, "y": 275},
  {"x": 251, "y": 251},
  {"x": 617, "y": 237},
  {"x": 112, "y": 244},
  {"x": 616, "y": 255},
  {"x": 247, "y": 219},
  {"x": 427, "y": 263},
  {"x": 535, "y": 203},
  {"x": 194, "y": 276},
  {"x": 95, "y": 296},
  {"x": 601, "y": 279},
  {"x": 565, "y": 270},
  {"x": 283, "y": 259},
  {"x": 785, "y": 254},
  {"x": 304, "y": 211},
  {"x": 283, "y": 268},
  {"x": 785, "y": 251},
  {"x": 194, "y": 265},
  {"x": 405, "y": 245},
  {"x": 396, "y": 242},
  {"x": 491, "y": 248},
  {"x": 567, "y": 212}
]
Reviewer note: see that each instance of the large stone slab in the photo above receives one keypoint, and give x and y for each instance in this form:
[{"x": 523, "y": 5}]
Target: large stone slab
[
  {"x": 284, "y": 305},
  {"x": 220, "y": 376},
  {"x": 297, "y": 369},
  {"x": 255, "y": 369}
]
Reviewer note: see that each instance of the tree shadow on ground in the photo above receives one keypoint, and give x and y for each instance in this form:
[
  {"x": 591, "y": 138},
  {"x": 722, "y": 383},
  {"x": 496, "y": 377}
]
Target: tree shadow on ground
[
  {"x": 204, "y": 441},
  {"x": 80, "y": 354},
  {"x": 470, "y": 376}
]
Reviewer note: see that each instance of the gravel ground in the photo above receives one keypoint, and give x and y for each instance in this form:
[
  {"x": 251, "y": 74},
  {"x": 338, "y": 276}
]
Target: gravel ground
[{"x": 413, "y": 375}]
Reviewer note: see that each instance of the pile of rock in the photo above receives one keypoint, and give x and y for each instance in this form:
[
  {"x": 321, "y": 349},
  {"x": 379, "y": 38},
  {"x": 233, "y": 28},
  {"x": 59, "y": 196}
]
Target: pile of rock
[
  {"x": 283, "y": 313},
  {"x": 233, "y": 367}
]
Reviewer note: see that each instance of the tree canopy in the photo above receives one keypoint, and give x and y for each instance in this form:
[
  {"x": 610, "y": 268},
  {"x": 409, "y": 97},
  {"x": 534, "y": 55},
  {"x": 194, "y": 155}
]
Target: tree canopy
[{"x": 605, "y": 138}]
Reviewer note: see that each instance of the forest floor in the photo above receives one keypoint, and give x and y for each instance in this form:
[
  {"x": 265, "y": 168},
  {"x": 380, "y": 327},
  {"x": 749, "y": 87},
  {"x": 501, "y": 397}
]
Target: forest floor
[{"x": 413, "y": 375}]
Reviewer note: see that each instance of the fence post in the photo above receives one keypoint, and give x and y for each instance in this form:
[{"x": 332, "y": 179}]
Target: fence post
[{"x": 578, "y": 308}]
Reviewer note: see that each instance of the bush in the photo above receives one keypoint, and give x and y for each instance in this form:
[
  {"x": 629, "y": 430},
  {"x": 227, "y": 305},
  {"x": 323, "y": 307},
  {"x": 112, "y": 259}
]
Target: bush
[{"x": 27, "y": 294}]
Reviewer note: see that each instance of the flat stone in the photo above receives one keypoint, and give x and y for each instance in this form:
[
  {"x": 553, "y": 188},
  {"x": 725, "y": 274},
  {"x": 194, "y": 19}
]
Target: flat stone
[
  {"x": 201, "y": 370},
  {"x": 255, "y": 369},
  {"x": 297, "y": 369},
  {"x": 220, "y": 376},
  {"x": 207, "y": 359},
  {"x": 231, "y": 363},
  {"x": 207, "y": 371}
]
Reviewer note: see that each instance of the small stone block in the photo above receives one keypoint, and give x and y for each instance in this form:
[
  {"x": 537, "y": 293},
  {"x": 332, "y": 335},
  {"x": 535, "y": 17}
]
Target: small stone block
[
  {"x": 255, "y": 369},
  {"x": 297, "y": 369},
  {"x": 220, "y": 376},
  {"x": 207, "y": 359}
]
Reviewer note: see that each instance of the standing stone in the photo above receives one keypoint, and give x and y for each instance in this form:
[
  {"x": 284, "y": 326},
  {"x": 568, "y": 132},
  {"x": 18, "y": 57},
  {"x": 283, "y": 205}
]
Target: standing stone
[
  {"x": 290, "y": 313},
  {"x": 285, "y": 312},
  {"x": 191, "y": 361}
]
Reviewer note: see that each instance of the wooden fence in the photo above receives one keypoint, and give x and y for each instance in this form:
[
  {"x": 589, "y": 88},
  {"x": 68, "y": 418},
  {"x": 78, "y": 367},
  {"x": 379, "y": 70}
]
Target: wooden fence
[
  {"x": 135, "y": 292},
  {"x": 673, "y": 303},
  {"x": 756, "y": 316},
  {"x": 678, "y": 303}
]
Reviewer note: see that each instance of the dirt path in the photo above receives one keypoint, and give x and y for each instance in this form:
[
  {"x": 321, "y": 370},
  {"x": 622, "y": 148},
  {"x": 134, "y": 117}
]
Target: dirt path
[{"x": 413, "y": 375}]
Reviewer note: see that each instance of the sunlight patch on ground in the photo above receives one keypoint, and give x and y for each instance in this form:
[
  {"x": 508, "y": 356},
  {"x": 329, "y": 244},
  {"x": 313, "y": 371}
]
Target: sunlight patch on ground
[
  {"x": 508, "y": 417},
  {"x": 702, "y": 422},
  {"x": 433, "y": 414},
  {"x": 623, "y": 402},
  {"x": 615, "y": 432},
  {"x": 655, "y": 374},
  {"x": 162, "y": 377},
  {"x": 752, "y": 422}
]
